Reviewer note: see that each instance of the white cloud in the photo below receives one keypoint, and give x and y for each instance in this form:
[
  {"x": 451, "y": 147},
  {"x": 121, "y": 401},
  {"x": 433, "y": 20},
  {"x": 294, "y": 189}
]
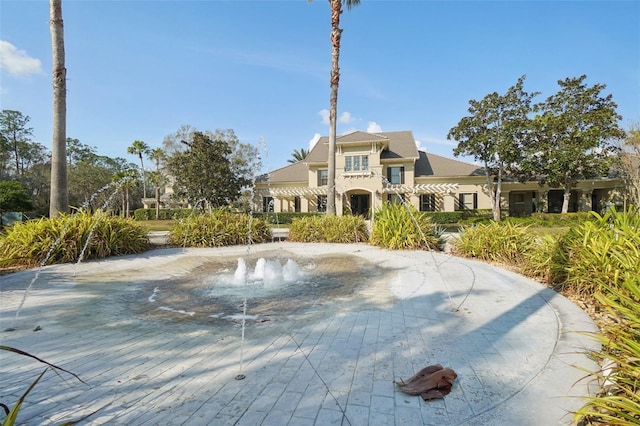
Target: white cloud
[
  {"x": 374, "y": 127},
  {"x": 16, "y": 61},
  {"x": 314, "y": 140},
  {"x": 324, "y": 114},
  {"x": 344, "y": 118}
]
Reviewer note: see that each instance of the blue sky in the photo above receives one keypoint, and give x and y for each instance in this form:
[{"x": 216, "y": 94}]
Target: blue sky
[{"x": 140, "y": 69}]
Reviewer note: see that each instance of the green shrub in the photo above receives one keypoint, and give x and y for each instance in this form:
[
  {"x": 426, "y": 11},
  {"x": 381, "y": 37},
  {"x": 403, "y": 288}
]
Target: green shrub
[
  {"x": 329, "y": 229},
  {"x": 398, "y": 226},
  {"x": 218, "y": 229},
  {"x": 496, "y": 242},
  {"x": 444, "y": 217},
  {"x": 63, "y": 239}
]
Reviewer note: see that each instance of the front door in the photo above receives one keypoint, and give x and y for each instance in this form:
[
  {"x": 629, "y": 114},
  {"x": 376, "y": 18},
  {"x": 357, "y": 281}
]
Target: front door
[{"x": 360, "y": 205}]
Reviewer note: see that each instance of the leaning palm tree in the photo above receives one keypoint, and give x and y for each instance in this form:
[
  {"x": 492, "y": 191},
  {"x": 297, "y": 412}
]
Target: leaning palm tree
[
  {"x": 59, "y": 199},
  {"x": 336, "y": 34},
  {"x": 298, "y": 155},
  {"x": 139, "y": 148},
  {"x": 157, "y": 155}
]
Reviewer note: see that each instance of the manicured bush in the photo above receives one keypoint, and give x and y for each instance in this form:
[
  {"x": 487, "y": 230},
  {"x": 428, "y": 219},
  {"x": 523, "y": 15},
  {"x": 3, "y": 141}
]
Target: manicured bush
[
  {"x": 218, "y": 229},
  {"x": 445, "y": 217},
  {"x": 62, "y": 239},
  {"x": 329, "y": 229},
  {"x": 399, "y": 226}
]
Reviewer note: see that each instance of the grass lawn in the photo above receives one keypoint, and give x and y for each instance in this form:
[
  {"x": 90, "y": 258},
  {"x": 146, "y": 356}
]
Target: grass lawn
[{"x": 158, "y": 225}]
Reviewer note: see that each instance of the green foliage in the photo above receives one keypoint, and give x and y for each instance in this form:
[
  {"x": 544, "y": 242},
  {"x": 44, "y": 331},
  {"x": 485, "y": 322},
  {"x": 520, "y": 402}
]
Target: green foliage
[
  {"x": 64, "y": 236},
  {"x": 165, "y": 214},
  {"x": 492, "y": 134},
  {"x": 218, "y": 229},
  {"x": 574, "y": 132},
  {"x": 496, "y": 242},
  {"x": 328, "y": 229},
  {"x": 444, "y": 217},
  {"x": 398, "y": 226},
  {"x": 601, "y": 251},
  {"x": 214, "y": 167},
  {"x": 14, "y": 197},
  {"x": 619, "y": 401}
]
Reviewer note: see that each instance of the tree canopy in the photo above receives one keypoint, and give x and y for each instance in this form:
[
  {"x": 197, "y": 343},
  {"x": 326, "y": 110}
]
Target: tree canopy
[
  {"x": 574, "y": 135},
  {"x": 211, "y": 169},
  {"x": 494, "y": 134},
  {"x": 14, "y": 197}
]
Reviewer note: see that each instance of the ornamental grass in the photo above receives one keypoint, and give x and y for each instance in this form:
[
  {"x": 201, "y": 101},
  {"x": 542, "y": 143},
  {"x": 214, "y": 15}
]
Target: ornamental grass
[
  {"x": 63, "y": 239},
  {"x": 218, "y": 229},
  {"x": 400, "y": 226},
  {"x": 329, "y": 229}
]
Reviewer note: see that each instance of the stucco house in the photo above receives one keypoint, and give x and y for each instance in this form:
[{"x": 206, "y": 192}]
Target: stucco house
[{"x": 372, "y": 168}]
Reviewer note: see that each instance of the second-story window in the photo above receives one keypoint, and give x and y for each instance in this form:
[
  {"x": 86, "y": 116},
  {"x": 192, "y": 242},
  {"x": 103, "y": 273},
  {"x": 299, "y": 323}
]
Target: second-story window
[
  {"x": 356, "y": 163},
  {"x": 395, "y": 175},
  {"x": 323, "y": 177}
]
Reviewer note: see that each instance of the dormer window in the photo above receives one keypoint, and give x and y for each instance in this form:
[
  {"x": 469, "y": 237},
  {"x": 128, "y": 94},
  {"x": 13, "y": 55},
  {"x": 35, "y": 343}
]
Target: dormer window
[{"x": 356, "y": 163}]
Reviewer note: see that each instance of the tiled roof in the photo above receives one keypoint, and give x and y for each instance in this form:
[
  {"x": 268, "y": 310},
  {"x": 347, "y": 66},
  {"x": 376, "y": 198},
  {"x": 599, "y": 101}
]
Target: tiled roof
[
  {"x": 296, "y": 172},
  {"x": 432, "y": 165},
  {"x": 401, "y": 145}
]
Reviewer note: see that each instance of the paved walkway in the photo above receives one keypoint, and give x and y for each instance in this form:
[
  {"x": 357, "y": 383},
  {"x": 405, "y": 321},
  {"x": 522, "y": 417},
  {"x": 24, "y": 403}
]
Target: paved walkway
[{"x": 156, "y": 344}]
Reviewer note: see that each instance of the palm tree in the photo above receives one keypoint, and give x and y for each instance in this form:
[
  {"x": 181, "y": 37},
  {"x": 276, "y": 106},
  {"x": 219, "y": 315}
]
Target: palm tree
[
  {"x": 59, "y": 199},
  {"x": 298, "y": 155},
  {"x": 139, "y": 148},
  {"x": 336, "y": 34},
  {"x": 125, "y": 180},
  {"x": 157, "y": 155}
]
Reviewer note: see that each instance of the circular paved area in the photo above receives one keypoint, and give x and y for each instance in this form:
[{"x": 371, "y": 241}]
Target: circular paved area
[{"x": 155, "y": 344}]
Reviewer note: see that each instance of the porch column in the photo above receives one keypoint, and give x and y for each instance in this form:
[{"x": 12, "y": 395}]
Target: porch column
[
  {"x": 449, "y": 202},
  {"x": 339, "y": 204}
]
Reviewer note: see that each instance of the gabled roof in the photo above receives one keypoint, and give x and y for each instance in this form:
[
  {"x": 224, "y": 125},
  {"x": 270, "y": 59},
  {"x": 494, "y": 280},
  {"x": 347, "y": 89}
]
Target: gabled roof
[
  {"x": 400, "y": 145},
  {"x": 432, "y": 165},
  {"x": 359, "y": 136}
]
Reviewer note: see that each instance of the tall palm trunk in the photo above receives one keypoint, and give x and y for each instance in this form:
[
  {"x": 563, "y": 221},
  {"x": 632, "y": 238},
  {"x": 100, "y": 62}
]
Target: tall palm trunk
[
  {"x": 336, "y": 34},
  {"x": 59, "y": 201},
  {"x": 144, "y": 178}
]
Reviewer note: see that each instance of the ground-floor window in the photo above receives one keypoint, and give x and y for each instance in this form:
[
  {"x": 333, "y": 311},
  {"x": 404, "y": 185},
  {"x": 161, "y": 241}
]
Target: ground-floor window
[
  {"x": 428, "y": 202},
  {"x": 322, "y": 203},
  {"x": 296, "y": 204},
  {"x": 468, "y": 201},
  {"x": 267, "y": 204}
]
